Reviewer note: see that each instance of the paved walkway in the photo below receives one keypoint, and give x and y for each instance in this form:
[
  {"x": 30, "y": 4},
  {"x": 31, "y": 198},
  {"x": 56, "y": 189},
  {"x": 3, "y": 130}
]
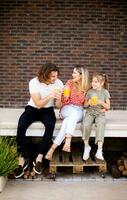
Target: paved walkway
[{"x": 66, "y": 188}]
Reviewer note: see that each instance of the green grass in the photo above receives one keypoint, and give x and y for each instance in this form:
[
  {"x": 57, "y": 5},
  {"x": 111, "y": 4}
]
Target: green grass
[{"x": 8, "y": 156}]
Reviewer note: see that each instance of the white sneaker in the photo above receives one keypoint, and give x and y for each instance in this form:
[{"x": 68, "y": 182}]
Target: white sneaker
[
  {"x": 86, "y": 153},
  {"x": 99, "y": 154}
]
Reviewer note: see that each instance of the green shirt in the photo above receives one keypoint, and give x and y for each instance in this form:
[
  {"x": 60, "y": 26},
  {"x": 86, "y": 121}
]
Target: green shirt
[{"x": 102, "y": 95}]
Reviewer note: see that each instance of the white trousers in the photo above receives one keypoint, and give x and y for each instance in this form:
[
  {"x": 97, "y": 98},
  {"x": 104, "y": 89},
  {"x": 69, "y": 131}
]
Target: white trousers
[{"x": 71, "y": 115}]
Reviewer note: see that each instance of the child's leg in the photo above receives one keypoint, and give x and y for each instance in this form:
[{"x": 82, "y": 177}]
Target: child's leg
[
  {"x": 50, "y": 152},
  {"x": 100, "y": 127},
  {"x": 86, "y": 130},
  {"x": 99, "y": 153},
  {"x": 87, "y": 150}
]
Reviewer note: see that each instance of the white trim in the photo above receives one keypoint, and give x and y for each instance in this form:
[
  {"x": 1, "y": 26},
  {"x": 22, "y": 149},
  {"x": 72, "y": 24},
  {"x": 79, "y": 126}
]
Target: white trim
[{"x": 116, "y": 124}]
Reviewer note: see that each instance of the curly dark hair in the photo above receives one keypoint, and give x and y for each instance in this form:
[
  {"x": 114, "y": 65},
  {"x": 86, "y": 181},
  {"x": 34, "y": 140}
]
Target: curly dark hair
[{"x": 45, "y": 71}]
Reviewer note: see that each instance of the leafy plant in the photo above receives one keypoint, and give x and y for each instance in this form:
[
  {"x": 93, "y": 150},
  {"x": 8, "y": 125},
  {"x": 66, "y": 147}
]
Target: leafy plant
[{"x": 8, "y": 156}]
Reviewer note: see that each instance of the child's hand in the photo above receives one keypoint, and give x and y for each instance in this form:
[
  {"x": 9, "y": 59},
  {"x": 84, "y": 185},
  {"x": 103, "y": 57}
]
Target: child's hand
[
  {"x": 100, "y": 102},
  {"x": 93, "y": 101},
  {"x": 89, "y": 102},
  {"x": 103, "y": 110}
]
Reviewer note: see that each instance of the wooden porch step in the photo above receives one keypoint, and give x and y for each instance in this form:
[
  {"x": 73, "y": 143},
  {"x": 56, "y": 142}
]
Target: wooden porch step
[{"x": 74, "y": 160}]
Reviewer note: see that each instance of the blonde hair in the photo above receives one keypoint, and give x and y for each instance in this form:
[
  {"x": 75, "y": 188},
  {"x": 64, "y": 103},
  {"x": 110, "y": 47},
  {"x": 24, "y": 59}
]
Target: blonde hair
[
  {"x": 85, "y": 77},
  {"x": 102, "y": 78}
]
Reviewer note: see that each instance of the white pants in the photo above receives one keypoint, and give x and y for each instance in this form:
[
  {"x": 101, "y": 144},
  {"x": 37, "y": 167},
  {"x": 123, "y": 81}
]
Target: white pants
[{"x": 71, "y": 115}]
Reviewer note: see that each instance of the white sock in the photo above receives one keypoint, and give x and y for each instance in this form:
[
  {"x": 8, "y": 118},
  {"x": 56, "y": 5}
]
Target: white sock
[
  {"x": 99, "y": 154},
  {"x": 86, "y": 153}
]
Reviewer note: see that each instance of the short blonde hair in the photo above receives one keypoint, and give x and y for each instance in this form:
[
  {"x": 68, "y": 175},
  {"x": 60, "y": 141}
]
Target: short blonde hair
[{"x": 102, "y": 78}]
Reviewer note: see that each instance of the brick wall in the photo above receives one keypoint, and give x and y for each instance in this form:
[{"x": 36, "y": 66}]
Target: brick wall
[{"x": 67, "y": 32}]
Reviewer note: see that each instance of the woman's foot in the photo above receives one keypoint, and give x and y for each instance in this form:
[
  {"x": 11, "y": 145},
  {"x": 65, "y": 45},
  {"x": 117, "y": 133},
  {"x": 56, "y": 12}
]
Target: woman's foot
[
  {"x": 67, "y": 145},
  {"x": 50, "y": 153}
]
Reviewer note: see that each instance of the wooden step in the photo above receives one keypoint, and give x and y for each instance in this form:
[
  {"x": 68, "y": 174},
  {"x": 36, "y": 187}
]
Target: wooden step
[{"x": 74, "y": 160}]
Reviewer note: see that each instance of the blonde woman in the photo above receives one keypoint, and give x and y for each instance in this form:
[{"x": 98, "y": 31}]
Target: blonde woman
[{"x": 71, "y": 111}]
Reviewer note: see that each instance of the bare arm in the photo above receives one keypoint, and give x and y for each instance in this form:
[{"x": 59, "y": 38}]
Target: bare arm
[
  {"x": 58, "y": 102},
  {"x": 106, "y": 104},
  {"x": 41, "y": 102},
  {"x": 87, "y": 103}
]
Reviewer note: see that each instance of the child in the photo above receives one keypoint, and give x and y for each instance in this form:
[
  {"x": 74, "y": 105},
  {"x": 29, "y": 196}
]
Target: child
[
  {"x": 72, "y": 109},
  {"x": 97, "y": 102}
]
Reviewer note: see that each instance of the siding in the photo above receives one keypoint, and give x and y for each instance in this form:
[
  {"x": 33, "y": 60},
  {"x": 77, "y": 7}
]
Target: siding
[{"x": 66, "y": 32}]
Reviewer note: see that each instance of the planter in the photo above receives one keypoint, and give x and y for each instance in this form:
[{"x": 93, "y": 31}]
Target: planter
[{"x": 3, "y": 181}]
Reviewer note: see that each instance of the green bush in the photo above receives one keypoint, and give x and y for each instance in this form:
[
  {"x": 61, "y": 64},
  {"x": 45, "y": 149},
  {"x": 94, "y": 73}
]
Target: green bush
[{"x": 8, "y": 156}]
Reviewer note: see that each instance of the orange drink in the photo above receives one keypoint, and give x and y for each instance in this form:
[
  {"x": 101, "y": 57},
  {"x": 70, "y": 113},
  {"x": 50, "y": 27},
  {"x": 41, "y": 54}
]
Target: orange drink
[
  {"x": 66, "y": 92},
  {"x": 94, "y": 101}
]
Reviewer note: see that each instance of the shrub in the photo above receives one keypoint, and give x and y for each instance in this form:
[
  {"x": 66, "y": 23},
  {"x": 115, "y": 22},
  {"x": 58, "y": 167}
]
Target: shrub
[{"x": 8, "y": 156}]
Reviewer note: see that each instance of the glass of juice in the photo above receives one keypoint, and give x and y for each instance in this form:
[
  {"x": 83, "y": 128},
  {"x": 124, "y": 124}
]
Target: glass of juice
[
  {"x": 94, "y": 100},
  {"x": 66, "y": 91}
]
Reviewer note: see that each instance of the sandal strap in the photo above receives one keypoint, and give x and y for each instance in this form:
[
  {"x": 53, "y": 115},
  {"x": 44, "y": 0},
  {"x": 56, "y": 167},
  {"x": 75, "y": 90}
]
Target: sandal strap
[{"x": 68, "y": 137}]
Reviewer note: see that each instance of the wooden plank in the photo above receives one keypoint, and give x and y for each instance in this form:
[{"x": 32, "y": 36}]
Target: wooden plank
[
  {"x": 98, "y": 161},
  {"x": 102, "y": 165},
  {"x": 53, "y": 169},
  {"x": 102, "y": 168},
  {"x": 77, "y": 169},
  {"x": 76, "y": 157},
  {"x": 65, "y": 158},
  {"x": 56, "y": 158},
  {"x": 54, "y": 162},
  {"x": 75, "y": 161},
  {"x": 89, "y": 162}
]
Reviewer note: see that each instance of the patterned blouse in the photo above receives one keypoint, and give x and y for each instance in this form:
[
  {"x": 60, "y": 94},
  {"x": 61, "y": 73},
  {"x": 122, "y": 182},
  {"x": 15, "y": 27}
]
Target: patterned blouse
[{"x": 76, "y": 97}]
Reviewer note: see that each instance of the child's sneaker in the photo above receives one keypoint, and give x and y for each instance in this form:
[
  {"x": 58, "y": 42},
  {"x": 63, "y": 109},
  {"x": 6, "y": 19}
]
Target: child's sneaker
[
  {"x": 99, "y": 155},
  {"x": 86, "y": 153}
]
